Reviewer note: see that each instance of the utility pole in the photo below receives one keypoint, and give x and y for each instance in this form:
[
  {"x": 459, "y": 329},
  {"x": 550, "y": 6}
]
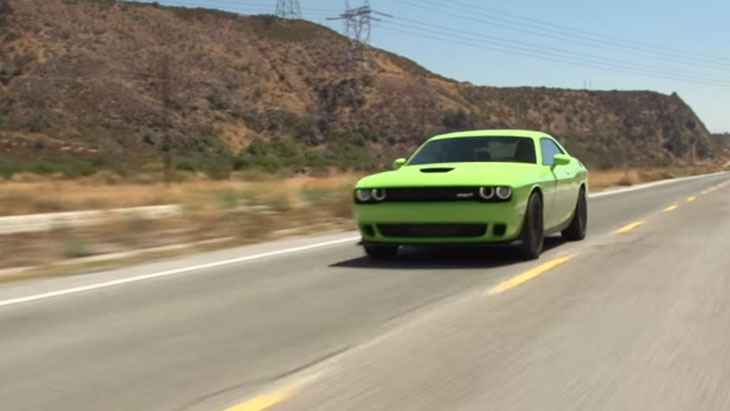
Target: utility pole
[
  {"x": 288, "y": 9},
  {"x": 358, "y": 26}
]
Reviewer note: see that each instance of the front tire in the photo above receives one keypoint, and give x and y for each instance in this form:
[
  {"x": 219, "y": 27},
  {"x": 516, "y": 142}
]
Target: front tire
[
  {"x": 576, "y": 231},
  {"x": 381, "y": 252},
  {"x": 533, "y": 230}
]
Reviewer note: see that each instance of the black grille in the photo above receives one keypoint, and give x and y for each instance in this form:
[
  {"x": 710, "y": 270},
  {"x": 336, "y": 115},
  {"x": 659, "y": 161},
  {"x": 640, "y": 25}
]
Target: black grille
[
  {"x": 432, "y": 194},
  {"x": 432, "y": 230},
  {"x": 499, "y": 230}
]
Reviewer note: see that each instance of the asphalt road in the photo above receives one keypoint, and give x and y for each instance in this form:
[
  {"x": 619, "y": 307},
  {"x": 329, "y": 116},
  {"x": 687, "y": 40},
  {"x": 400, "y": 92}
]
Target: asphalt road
[{"x": 637, "y": 320}]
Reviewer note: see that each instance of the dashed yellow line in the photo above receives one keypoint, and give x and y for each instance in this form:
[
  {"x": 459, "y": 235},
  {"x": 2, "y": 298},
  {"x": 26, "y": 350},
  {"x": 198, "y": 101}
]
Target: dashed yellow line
[
  {"x": 268, "y": 400},
  {"x": 630, "y": 227},
  {"x": 709, "y": 190},
  {"x": 691, "y": 199},
  {"x": 671, "y": 208},
  {"x": 262, "y": 402},
  {"x": 529, "y": 275}
]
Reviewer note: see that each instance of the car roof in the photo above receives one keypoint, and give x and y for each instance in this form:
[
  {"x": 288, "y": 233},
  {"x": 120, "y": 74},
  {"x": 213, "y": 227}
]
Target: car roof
[{"x": 495, "y": 133}]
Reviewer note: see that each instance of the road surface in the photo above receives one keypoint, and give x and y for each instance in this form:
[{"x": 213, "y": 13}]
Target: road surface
[{"x": 633, "y": 320}]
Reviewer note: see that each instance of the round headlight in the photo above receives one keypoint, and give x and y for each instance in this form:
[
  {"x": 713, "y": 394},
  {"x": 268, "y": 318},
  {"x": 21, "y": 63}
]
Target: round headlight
[
  {"x": 363, "y": 195},
  {"x": 378, "y": 194},
  {"x": 504, "y": 193},
  {"x": 486, "y": 193}
]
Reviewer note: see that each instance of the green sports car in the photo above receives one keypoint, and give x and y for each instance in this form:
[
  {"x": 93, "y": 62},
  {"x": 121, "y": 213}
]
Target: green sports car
[{"x": 475, "y": 187}]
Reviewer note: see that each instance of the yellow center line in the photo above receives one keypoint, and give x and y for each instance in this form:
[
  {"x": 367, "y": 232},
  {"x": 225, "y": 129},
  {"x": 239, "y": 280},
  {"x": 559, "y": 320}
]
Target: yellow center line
[
  {"x": 671, "y": 208},
  {"x": 261, "y": 402},
  {"x": 709, "y": 190},
  {"x": 630, "y": 227},
  {"x": 265, "y": 401},
  {"x": 529, "y": 275},
  {"x": 691, "y": 199}
]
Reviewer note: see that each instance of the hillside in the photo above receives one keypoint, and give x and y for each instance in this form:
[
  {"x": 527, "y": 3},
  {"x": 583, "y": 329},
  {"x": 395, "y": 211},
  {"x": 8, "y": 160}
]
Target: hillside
[{"x": 87, "y": 79}]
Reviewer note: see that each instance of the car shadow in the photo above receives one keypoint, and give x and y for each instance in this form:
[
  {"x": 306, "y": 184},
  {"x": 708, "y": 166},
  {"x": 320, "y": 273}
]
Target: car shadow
[{"x": 417, "y": 258}]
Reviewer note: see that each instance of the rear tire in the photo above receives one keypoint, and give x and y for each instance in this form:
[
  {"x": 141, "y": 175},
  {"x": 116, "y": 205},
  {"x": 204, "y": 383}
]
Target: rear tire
[
  {"x": 533, "y": 230},
  {"x": 381, "y": 252},
  {"x": 576, "y": 231}
]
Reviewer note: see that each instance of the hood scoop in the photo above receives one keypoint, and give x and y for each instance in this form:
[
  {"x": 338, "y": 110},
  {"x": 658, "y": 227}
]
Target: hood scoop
[{"x": 436, "y": 169}]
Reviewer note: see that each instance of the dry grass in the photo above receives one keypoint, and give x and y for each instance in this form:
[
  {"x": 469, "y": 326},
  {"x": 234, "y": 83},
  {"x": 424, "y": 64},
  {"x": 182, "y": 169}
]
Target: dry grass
[
  {"x": 244, "y": 210},
  {"x": 611, "y": 178},
  {"x": 130, "y": 234},
  {"x": 44, "y": 195},
  {"x": 37, "y": 195}
]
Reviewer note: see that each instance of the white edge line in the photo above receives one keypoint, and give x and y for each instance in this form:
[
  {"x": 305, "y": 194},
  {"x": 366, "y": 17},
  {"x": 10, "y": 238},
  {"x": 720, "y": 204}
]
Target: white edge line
[
  {"x": 90, "y": 287},
  {"x": 650, "y": 185}
]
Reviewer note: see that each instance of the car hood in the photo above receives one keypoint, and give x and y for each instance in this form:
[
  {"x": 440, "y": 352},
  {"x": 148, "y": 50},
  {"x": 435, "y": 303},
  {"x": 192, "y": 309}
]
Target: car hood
[{"x": 453, "y": 174}]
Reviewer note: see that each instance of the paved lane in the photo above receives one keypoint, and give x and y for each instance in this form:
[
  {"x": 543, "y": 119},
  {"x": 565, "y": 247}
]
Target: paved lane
[
  {"x": 635, "y": 321},
  {"x": 211, "y": 337}
]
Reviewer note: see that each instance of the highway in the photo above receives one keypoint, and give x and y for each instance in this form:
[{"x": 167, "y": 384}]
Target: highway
[{"x": 635, "y": 317}]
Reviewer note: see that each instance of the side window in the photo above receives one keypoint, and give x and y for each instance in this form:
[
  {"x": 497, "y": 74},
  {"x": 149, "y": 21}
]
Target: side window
[{"x": 549, "y": 151}]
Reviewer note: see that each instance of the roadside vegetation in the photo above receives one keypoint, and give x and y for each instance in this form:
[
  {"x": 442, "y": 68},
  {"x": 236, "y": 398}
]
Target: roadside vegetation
[
  {"x": 248, "y": 206},
  {"x": 28, "y": 193}
]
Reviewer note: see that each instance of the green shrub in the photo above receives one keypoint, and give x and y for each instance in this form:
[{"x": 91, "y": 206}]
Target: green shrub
[
  {"x": 186, "y": 165},
  {"x": 149, "y": 139},
  {"x": 6, "y": 169},
  {"x": 228, "y": 200},
  {"x": 219, "y": 169},
  {"x": 75, "y": 248}
]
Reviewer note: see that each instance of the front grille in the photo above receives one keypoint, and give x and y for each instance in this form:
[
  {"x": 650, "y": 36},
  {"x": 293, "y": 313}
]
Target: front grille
[
  {"x": 432, "y": 230},
  {"x": 432, "y": 194}
]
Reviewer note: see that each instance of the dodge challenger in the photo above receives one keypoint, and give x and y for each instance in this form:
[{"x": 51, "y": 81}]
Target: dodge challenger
[{"x": 477, "y": 187}]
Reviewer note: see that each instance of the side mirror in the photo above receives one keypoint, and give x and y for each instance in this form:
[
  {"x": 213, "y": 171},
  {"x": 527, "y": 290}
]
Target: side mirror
[
  {"x": 562, "y": 160},
  {"x": 399, "y": 163}
]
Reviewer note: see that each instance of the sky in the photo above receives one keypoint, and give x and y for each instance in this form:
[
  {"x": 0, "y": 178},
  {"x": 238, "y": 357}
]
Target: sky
[{"x": 659, "y": 45}]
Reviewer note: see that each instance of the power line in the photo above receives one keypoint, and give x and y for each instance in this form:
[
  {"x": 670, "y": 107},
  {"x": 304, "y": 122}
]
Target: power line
[
  {"x": 573, "y": 31},
  {"x": 529, "y": 47},
  {"x": 525, "y": 28},
  {"x": 543, "y": 57}
]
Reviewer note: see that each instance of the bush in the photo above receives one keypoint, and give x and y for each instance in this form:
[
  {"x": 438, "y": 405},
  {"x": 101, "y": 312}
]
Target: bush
[
  {"x": 228, "y": 200},
  {"x": 625, "y": 181},
  {"x": 218, "y": 169},
  {"x": 75, "y": 248},
  {"x": 186, "y": 165},
  {"x": 67, "y": 167},
  {"x": 149, "y": 139},
  {"x": 457, "y": 120},
  {"x": 6, "y": 169}
]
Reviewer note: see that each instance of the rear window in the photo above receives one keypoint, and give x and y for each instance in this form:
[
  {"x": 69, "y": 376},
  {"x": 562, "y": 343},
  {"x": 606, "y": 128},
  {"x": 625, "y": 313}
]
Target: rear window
[{"x": 477, "y": 149}]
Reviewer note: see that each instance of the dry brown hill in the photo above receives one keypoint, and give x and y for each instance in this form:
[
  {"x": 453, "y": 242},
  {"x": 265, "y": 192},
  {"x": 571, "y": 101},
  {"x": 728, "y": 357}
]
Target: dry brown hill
[{"x": 82, "y": 78}]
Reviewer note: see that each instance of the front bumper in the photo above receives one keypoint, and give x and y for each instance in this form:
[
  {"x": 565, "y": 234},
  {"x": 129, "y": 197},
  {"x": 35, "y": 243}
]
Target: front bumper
[{"x": 503, "y": 221}]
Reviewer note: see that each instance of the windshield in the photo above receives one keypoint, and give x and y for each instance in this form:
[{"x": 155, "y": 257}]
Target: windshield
[{"x": 477, "y": 149}]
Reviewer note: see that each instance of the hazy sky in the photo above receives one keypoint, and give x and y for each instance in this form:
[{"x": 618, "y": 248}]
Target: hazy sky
[{"x": 662, "y": 45}]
